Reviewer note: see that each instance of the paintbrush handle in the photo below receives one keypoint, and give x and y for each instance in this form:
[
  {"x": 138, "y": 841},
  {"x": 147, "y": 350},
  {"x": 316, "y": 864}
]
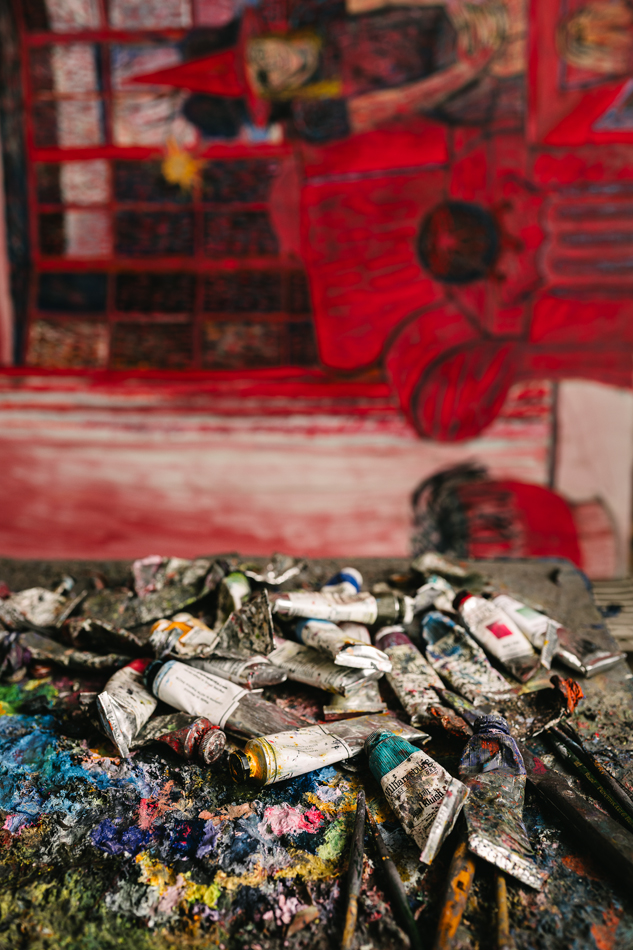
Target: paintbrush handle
[
  {"x": 354, "y": 872},
  {"x": 575, "y": 745},
  {"x": 397, "y": 893},
  {"x": 504, "y": 940},
  {"x": 458, "y": 883}
]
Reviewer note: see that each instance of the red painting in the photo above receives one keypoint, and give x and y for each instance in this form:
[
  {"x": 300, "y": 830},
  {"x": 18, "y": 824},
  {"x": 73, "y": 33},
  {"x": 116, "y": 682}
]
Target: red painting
[{"x": 433, "y": 195}]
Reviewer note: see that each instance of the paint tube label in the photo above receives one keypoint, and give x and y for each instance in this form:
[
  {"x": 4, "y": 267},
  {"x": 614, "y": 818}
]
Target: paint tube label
[
  {"x": 197, "y": 692},
  {"x": 125, "y": 705},
  {"x": 412, "y": 678},
  {"x": 336, "y": 607},
  {"x": 305, "y": 665},
  {"x": 426, "y": 799},
  {"x": 529, "y": 621},
  {"x": 303, "y": 750},
  {"x": 252, "y": 672},
  {"x": 497, "y": 633}
]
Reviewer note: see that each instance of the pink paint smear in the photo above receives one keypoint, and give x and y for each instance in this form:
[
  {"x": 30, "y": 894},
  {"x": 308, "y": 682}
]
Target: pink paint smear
[{"x": 286, "y": 820}]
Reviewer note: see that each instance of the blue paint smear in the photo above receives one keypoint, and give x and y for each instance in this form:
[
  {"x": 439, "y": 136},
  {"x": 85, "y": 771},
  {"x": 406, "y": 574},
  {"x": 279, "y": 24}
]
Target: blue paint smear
[{"x": 114, "y": 838}]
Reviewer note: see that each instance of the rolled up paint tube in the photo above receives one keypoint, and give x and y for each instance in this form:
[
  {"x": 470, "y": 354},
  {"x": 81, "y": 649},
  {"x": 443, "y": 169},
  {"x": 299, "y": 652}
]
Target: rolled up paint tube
[
  {"x": 183, "y": 636},
  {"x": 273, "y": 758},
  {"x": 362, "y": 607},
  {"x": 578, "y": 652},
  {"x": 492, "y": 767},
  {"x": 346, "y": 581},
  {"x": 343, "y": 649},
  {"x": 308, "y": 666},
  {"x": 254, "y": 672},
  {"x": 414, "y": 681},
  {"x": 190, "y": 736},
  {"x": 498, "y": 634},
  {"x": 125, "y": 705},
  {"x": 223, "y": 703},
  {"x": 424, "y": 796},
  {"x": 461, "y": 662}
]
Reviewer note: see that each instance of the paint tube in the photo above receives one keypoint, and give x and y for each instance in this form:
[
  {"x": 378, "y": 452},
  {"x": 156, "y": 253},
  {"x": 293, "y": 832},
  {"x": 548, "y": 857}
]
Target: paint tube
[
  {"x": 255, "y": 672},
  {"x": 461, "y": 662},
  {"x": 125, "y": 705},
  {"x": 366, "y": 698},
  {"x": 343, "y": 649},
  {"x": 247, "y": 630},
  {"x": 497, "y": 634},
  {"x": 101, "y": 635},
  {"x": 424, "y": 796},
  {"x": 437, "y": 593},
  {"x": 183, "y": 636},
  {"x": 238, "y": 588},
  {"x": 433, "y": 563},
  {"x": 281, "y": 569},
  {"x": 412, "y": 678},
  {"x": 365, "y": 608},
  {"x": 308, "y": 666},
  {"x": 35, "y": 607},
  {"x": 273, "y": 758},
  {"x": 223, "y": 703},
  {"x": 346, "y": 581},
  {"x": 185, "y": 734},
  {"x": 492, "y": 768},
  {"x": 50, "y": 651},
  {"x": 541, "y": 631}
]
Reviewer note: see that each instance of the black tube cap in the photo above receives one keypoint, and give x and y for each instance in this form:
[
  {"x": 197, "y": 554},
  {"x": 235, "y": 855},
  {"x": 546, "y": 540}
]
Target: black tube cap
[
  {"x": 239, "y": 766},
  {"x": 459, "y": 598}
]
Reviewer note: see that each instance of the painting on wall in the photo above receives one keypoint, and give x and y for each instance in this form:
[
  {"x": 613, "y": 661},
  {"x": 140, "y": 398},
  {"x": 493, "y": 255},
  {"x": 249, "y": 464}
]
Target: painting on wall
[{"x": 431, "y": 193}]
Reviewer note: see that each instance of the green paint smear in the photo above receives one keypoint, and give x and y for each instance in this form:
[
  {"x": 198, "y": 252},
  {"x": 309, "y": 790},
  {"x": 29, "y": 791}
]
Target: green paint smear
[
  {"x": 14, "y": 695},
  {"x": 336, "y": 837}
]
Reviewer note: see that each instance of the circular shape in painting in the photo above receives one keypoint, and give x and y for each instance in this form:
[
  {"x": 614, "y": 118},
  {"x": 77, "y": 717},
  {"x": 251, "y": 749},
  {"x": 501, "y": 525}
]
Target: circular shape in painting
[{"x": 458, "y": 242}]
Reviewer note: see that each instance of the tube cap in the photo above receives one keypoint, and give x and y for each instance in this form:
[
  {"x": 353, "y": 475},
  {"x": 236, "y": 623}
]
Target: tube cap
[
  {"x": 239, "y": 766},
  {"x": 211, "y": 746},
  {"x": 459, "y": 598}
]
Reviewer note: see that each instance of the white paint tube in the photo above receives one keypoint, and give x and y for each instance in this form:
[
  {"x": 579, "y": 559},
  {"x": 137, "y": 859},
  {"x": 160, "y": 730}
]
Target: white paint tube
[
  {"x": 274, "y": 758},
  {"x": 365, "y": 698},
  {"x": 305, "y": 665},
  {"x": 223, "y": 703},
  {"x": 343, "y": 649},
  {"x": 433, "y": 563},
  {"x": 346, "y": 581},
  {"x": 424, "y": 796},
  {"x": 412, "y": 677},
  {"x": 541, "y": 631},
  {"x": 125, "y": 705},
  {"x": 461, "y": 662},
  {"x": 578, "y": 652},
  {"x": 437, "y": 593},
  {"x": 254, "y": 672},
  {"x": 183, "y": 636},
  {"x": 498, "y": 634},
  {"x": 362, "y": 607}
]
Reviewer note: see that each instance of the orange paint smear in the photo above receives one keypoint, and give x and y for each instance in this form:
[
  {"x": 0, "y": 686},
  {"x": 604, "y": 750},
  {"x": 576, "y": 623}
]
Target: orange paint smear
[{"x": 604, "y": 934}]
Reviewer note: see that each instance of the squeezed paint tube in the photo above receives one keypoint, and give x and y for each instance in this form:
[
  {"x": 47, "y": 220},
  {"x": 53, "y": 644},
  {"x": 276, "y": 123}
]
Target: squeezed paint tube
[
  {"x": 492, "y": 768},
  {"x": 185, "y": 734},
  {"x": 247, "y": 630},
  {"x": 33, "y": 607},
  {"x": 366, "y": 698},
  {"x": 125, "y": 705},
  {"x": 461, "y": 662},
  {"x": 415, "y": 682},
  {"x": 424, "y": 796},
  {"x": 50, "y": 651},
  {"x": 305, "y": 665},
  {"x": 362, "y": 607},
  {"x": 281, "y": 568},
  {"x": 346, "y": 581},
  {"x": 497, "y": 634},
  {"x": 433, "y": 563},
  {"x": 184, "y": 636},
  {"x": 223, "y": 703},
  {"x": 339, "y": 646},
  {"x": 273, "y": 758},
  {"x": 541, "y": 631},
  {"x": 437, "y": 593},
  {"x": 233, "y": 591},
  {"x": 254, "y": 672},
  {"x": 582, "y": 655}
]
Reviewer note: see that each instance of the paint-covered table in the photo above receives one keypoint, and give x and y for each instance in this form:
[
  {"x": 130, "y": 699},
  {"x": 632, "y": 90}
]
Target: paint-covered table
[{"x": 99, "y": 852}]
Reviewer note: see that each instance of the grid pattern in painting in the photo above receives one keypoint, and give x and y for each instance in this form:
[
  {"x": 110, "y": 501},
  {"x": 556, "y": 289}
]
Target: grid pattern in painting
[{"x": 132, "y": 271}]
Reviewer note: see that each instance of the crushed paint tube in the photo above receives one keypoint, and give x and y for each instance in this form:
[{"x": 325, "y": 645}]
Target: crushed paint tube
[
  {"x": 223, "y": 703},
  {"x": 101, "y": 635},
  {"x": 415, "y": 682},
  {"x": 182, "y": 636},
  {"x": 343, "y": 649},
  {"x": 185, "y": 734},
  {"x": 492, "y": 768},
  {"x": 274, "y": 758},
  {"x": 363, "y": 607},
  {"x": 541, "y": 631},
  {"x": 425, "y": 797},
  {"x": 497, "y": 634},
  {"x": 305, "y": 665},
  {"x": 45, "y": 650},
  {"x": 433, "y": 563},
  {"x": 364, "y": 699},
  {"x": 125, "y": 705},
  {"x": 583, "y": 655},
  {"x": 254, "y": 672},
  {"x": 34, "y": 607},
  {"x": 280, "y": 570},
  {"x": 248, "y": 630},
  {"x": 437, "y": 593},
  {"x": 346, "y": 581},
  {"x": 461, "y": 662}
]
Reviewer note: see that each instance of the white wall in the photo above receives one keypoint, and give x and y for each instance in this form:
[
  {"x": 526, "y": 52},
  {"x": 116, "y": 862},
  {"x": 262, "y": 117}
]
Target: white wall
[{"x": 595, "y": 451}]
